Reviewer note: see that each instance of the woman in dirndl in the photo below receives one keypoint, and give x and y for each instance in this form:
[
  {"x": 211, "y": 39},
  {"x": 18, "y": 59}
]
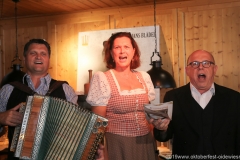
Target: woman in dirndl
[{"x": 119, "y": 94}]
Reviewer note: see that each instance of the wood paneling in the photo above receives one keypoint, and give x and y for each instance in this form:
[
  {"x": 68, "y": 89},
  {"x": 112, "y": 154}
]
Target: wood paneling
[
  {"x": 216, "y": 31},
  {"x": 185, "y": 27},
  {"x": 9, "y": 44},
  {"x": 50, "y": 7}
]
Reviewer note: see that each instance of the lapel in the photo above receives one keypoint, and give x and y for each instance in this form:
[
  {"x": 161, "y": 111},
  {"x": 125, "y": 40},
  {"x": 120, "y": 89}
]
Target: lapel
[
  {"x": 184, "y": 99},
  {"x": 220, "y": 109}
]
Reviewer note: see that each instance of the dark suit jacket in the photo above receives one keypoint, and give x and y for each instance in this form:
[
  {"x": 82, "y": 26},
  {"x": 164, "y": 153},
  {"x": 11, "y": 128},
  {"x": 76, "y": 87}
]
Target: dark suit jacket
[{"x": 225, "y": 137}]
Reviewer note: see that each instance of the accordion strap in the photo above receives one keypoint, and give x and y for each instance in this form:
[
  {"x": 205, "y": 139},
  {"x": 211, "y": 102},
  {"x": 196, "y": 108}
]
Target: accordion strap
[
  {"x": 54, "y": 86},
  {"x": 22, "y": 87},
  {"x": 28, "y": 90}
]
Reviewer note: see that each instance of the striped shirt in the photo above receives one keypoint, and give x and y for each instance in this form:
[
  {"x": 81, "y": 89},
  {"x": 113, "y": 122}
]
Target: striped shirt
[{"x": 42, "y": 89}]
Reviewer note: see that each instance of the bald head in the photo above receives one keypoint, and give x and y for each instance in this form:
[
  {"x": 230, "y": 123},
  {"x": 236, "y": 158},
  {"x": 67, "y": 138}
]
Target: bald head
[{"x": 200, "y": 52}]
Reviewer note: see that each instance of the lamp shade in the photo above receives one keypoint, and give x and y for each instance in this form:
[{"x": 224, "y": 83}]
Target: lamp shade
[
  {"x": 15, "y": 75},
  {"x": 160, "y": 78}
]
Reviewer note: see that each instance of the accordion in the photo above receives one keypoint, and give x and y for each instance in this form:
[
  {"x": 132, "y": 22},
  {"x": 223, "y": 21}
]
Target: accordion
[{"x": 53, "y": 128}]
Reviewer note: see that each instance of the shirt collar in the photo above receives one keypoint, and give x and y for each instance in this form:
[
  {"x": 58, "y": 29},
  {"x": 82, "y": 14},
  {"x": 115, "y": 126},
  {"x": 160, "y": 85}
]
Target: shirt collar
[
  {"x": 46, "y": 78},
  {"x": 193, "y": 89}
]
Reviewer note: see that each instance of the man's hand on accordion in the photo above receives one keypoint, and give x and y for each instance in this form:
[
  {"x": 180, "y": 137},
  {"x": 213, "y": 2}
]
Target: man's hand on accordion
[
  {"x": 11, "y": 117},
  {"x": 100, "y": 152}
]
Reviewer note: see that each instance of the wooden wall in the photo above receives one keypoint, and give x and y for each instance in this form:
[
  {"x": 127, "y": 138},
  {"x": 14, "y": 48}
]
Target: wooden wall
[{"x": 185, "y": 27}]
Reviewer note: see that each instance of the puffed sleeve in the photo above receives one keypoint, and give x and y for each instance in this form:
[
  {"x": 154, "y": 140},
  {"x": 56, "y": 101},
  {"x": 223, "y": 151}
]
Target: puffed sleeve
[
  {"x": 99, "y": 91},
  {"x": 150, "y": 87}
]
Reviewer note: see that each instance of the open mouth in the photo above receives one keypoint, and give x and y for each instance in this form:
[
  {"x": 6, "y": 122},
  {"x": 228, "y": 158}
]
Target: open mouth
[
  {"x": 122, "y": 59},
  {"x": 38, "y": 62},
  {"x": 201, "y": 76}
]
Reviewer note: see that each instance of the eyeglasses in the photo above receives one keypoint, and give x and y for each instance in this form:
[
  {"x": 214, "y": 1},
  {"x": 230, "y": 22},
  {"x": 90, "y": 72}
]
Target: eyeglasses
[{"x": 205, "y": 64}]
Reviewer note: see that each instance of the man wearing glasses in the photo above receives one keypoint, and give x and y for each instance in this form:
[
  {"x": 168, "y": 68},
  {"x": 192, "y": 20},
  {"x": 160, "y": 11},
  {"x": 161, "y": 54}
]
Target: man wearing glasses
[{"x": 206, "y": 116}]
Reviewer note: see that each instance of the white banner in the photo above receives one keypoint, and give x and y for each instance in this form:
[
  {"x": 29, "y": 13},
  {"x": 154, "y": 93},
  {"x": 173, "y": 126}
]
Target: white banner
[{"x": 90, "y": 50}]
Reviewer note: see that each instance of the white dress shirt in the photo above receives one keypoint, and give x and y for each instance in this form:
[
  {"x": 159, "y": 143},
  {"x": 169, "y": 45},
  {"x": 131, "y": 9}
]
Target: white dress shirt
[{"x": 202, "y": 99}]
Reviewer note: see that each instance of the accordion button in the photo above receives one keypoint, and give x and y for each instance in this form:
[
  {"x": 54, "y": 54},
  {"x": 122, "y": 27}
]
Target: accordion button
[
  {"x": 98, "y": 124},
  {"x": 104, "y": 123},
  {"x": 94, "y": 130}
]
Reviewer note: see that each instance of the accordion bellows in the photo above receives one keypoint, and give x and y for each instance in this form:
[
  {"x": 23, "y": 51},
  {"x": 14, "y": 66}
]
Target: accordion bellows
[{"x": 53, "y": 128}]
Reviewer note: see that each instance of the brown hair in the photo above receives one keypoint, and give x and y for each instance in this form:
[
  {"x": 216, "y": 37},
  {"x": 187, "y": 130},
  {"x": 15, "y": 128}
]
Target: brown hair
[
  {"x": 38, "y": 41},
  {"x": 108, "y": 57}
]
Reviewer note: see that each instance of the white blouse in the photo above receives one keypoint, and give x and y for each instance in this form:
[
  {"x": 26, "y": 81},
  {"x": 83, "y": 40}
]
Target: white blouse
[{"x": 99, "y": 91}]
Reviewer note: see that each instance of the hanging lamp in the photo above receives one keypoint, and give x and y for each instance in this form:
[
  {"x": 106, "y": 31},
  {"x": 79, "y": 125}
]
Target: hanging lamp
[
  {"x": 17, "y": 73},
  {"x": 159, "y": 77}
]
